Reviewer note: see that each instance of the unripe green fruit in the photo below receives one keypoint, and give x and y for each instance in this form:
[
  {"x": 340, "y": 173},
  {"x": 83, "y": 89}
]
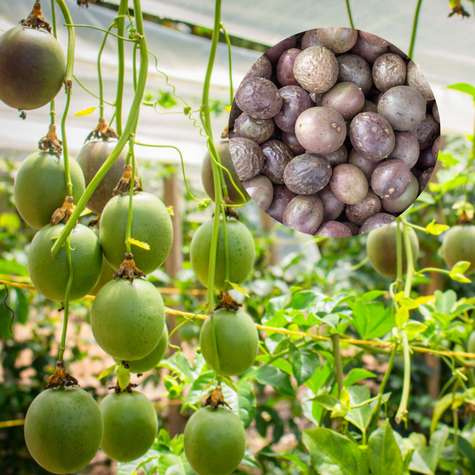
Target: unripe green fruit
[
  {"x": 459, "y": 245},
  {"x": 151, "y": 224},
  {"x": 50, "y": 276},
  {"x": 40, "y": 187},
  {"x": 63, "y": 429},
  {"x": 471, "y": 343},
  {"x": 215, "y": 441},
  {"x": 32, "y": 68},
  {"x": 91, "y": 158},
  {"x": 189, "y": 331},
  {"x": 227, "y": 162},
  {"x": 381, "y": 248},
  {"x": 237, "y": 339},
  {"x": 130, "y": 425},
  {"x": 127, "y": 319},
  {"x": 241, "y": 252},
  {"x": 153, "y": 358},
  {"x": 107, "y": 274}
]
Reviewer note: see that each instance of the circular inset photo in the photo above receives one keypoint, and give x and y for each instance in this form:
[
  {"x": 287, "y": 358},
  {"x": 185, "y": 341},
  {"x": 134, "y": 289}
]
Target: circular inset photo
[{"x": 334, "y": 132}]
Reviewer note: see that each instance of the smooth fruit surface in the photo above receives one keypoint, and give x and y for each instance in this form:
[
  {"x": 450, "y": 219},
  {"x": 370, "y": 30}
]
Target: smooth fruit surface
[
  {"x": 153, "y": 358},
  {"x": 91, "y": 157},
  {"x": 32, "y": 68},
  {"x": 63, "y": 429},
  {"x": 237, "y": 339},
  {"x": 215, "y": 441},
  {"x": 50, "y": 276},
  {"x": 240, "y": 248},
  {"x": 40, "y": 187},
  {"x": 127, "y": 319},
  {"x": 151, "y": 224},
  {"x": 381, "y": 248},
  {"x": 459, "y": 245},
  {"x": 130, "y": 425}
]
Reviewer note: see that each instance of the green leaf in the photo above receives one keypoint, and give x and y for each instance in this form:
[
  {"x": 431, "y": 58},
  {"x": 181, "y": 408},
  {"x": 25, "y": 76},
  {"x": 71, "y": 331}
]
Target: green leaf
[
  {"x": 360, "y": 416},
  {"x": 170, "y": 464},
  {"x": 107, "y": 371},
  {"x": 275, "y": 378},
  {"x": 384, "y": 454},
  {"x": 333, "y": 454},
  {"x": 402, "y": 316},
  {"x": 304, "y": 362},
  {"x": 371, "y": 320},
  {"x": 430, "y": 454},
  {"x": 447, "y": 159},
  {"x": 12, "y": 267},
  {"x": 21, "y": 307},
  {"x": 10, "y": 220},
  {"x": 327, "y": 401},
  {"x": 445, "y": 301},
  {"x": 200, "y": 384},
  {"x": 123, "y": 377},
  {"x": 459, "y": 278},
  {"x": 357, "y": 374},
  {"x": 247, "y": 402},
  {"x": 440, "y": 407},
  {"x": 371, "y": 295},
  {"x": 463, "y": 87},
  {"x": 460, "y": 267},
  {"x": 413, "y": 328},
  {"x": 436, "y": 229},
  {"x": 239, "y": 288}
]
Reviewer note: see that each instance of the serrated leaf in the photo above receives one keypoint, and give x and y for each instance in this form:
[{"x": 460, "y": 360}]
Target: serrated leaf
[
  {"x": 402, "y": 316},
  {"x": 239, "y": 288},
  {"x": 199, "y": 386},
  {"x": 247, "y": 402},
  {"x": 85, "y": 112},
  {"x": 372, "y": 295},
  {"x": 371, "y": 320},
  {"x": 107, "y": 371},
  {"x": 436, "y": 229},
  {"x": 142, "y": 245}
]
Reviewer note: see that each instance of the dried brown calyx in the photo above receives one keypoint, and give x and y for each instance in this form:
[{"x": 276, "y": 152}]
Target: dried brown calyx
[
  {"x": 457, "y": 9},
  {"x": 62, "y": 215},
  {"x": 124, "y": 183},
  {"x": 128, "y": 269},
  {"x": 465, "y": 218},
  {"x": 225, "y": 133},
  {"x": 95, "y": 222},
  {"x": 117, "y": 389},
  {"x": 51, "y": 142},
  {"x": 85, "y": 3},
  {"x": 102, "y": 131},
  {"x": 36, "y": 19},
  {"x": 230, "y": 213},
  {"x": 216, "y": 399},
  {"x": 227, "y": 302},
  {"x": 61, "y": 377}
]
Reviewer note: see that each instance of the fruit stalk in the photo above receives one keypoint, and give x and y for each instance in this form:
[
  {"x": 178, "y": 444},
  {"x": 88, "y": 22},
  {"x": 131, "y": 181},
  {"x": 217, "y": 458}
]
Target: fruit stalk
[
  {"x": 350, "y": 17},
  {"x": 414, "y": 28},
  {"x": 53, "y": 23},
  {"x": 129, "y": 128},
  {"x": 402, "y": 410},
  {"x": 62, "y": 345},
  {"x": 123, "y": 7}
]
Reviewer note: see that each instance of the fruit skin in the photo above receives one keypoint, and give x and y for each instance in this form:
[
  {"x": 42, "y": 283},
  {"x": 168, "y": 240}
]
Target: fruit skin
[
  {"x": 150, "y": 361},
  {"x": 40, "y": 187},
  {"x": 130, "y": 425},
  {"x": 237, "y": 338},
  {"x": 50, "y": 276},
  {"x": 32, "y": 68},
  {"x": 382, "y": 251},
  {"x": 91, "y": 157},
  {"x": 127, "y": 319},
  {"x": 215, "y": 441},
  {"x": 151, "y": 224},
  {"x": 226, "y": 161},
  {"x": 107, "y": 274},
  {"x": 63, "y": 429},
  {"x": 459, "y": 245},
  {"x": 240, "y": 248}
]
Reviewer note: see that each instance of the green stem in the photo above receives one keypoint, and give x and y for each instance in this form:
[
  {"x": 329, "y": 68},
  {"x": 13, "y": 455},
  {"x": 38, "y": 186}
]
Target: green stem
[
  {"x": 350, "y": 18},
  {"x": 103, "y": 30},
  {"x": 69, "y": 285},
  {"x": 399, "y": 255},
  {"x": 129, "y": 128},
  {"x": 402, "y": 411},
  {"x": 55, "y": 34},
  {"x": 99, "y": 71},
  {"x": 338, "y": 366},
  {"x": 230, "y": 61},
  {"x": 134, "y": 65},
  {"x": 67, "y": 170},
  {"x": 128, "y": 229},
  {"x": 90, "y": 92},
  {"x": 456, "y": 440},
  {"x": 123, "y": 9},
  {"x": 410, "y": 262},
  {"x": 226, "y": 250},
  {"x": 414, "y": 28}
]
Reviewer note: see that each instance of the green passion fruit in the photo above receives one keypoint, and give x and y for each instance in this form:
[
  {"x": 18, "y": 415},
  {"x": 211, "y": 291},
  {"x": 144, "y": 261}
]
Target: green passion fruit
[
  {"x": 130, "y": 425},
  {"x": 32, "y": 68},
  {"x": 241, "y": 253},
  {"x": 128, "y": 318},
  {"x": 151, "y": 224},
  {"x": 215, "y": 441},
  {"x": 40, "y": 187},
  {"x": 381, "y": 248},
  {"x": 50, "y": 276},
  {"x": 226, "y": 161},
  {"x": 237, "y": 339},
  {"x": 91, "y": 158},
  {"x": 107, "y": 272},
  {"x": 153, "y": 358},
  {"x": 63, "y": 429},
  {"x": 459, "y": 245}
]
